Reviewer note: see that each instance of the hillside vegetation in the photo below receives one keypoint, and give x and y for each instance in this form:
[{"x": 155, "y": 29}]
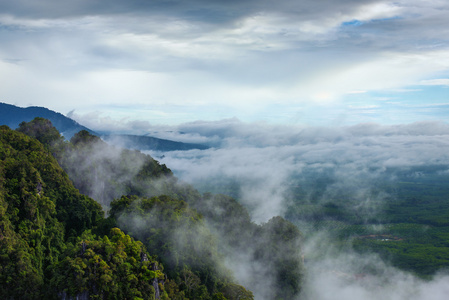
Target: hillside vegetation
[{"x": 161, "y": 239}]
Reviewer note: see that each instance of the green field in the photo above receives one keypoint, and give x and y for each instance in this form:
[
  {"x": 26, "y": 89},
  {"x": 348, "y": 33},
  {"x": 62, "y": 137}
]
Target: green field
[{"x": 408, "y": 226}]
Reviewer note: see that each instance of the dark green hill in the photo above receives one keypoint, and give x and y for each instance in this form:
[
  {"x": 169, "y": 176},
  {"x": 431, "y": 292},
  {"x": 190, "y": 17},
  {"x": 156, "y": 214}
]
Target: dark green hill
[
  {"x": 47, "y": 249},
  {"x": 166, "y": 221},
  {"x": 192, "y": 234},
  {"x": 39, "y": 210}
]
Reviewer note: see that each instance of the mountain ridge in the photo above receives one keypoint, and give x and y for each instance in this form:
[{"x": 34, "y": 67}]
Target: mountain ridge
[
  {"x": 143, "y": 142},
  {"x": 12, "y": 116}
]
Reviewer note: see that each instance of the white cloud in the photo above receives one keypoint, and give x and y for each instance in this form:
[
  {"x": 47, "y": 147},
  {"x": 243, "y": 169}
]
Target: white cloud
[
  {"x": 339, "y": 277},
  {"x": 441, "y": 81},
  {"x": 245, "y": 58}
]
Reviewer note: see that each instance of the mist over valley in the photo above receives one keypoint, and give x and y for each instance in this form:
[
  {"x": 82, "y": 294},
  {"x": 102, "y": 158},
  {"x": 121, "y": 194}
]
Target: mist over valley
[
  {"x": 365, "y": 205},
  {"x": 370, "y": 199}
]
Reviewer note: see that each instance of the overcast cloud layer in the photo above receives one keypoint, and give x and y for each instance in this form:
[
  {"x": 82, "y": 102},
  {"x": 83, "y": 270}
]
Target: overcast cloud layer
[{"x": 307, "y": 62}]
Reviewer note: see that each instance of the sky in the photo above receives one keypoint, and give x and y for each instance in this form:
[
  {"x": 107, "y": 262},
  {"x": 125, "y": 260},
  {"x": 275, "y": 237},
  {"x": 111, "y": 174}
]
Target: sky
[
  {"x": 350, "y": 87},
  {"x": 330, "y": 63}
]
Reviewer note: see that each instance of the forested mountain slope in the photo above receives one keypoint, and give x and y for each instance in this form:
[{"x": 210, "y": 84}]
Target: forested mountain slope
[
  {"x": 56, "y": 242},
  {"x": 46, "y": 248}
]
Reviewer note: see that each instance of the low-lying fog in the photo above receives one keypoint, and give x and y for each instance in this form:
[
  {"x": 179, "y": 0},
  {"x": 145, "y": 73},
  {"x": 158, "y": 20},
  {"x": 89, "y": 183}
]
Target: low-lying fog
[{"x": 260, "y": 163}]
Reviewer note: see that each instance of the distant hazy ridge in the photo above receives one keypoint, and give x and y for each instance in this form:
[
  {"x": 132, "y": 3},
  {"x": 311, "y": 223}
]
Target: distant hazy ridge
[{"x": 12, "y": 116}]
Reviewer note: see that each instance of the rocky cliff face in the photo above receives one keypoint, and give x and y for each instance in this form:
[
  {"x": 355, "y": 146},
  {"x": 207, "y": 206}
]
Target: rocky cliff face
[
  {"x": 82, "y": 296},
  {"x": 155, "y": 283}
]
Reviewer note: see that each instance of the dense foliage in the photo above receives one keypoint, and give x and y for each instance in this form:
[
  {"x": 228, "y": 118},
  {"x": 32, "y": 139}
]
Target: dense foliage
[
  {"x": 108, "y": 268},
  {"x": 55, "y": 242},
  {"x": 40, "y": 209},
  {"x": 117, "y": 172},
  {"x": 180, "y": 238}
]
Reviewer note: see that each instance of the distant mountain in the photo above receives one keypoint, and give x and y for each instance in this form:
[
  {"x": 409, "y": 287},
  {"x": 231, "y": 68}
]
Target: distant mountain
[
  {"x": 140, "y": 142},
  {"x": 12, "y": 116}
]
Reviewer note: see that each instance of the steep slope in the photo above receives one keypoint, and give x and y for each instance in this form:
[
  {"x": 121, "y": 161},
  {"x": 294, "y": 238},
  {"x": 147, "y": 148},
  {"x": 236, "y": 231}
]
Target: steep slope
[
  {"x": 32, "y": 176},
  {"x": 114, "y": 267},
  {"x": 47, "y": 249},
  {"x": 206, "y": 242},
  {"x": 39, "y": 209}
]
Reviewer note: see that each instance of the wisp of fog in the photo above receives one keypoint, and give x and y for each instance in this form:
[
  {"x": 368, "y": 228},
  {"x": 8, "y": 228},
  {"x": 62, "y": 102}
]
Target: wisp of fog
[{"x": 261, "y": 164}]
